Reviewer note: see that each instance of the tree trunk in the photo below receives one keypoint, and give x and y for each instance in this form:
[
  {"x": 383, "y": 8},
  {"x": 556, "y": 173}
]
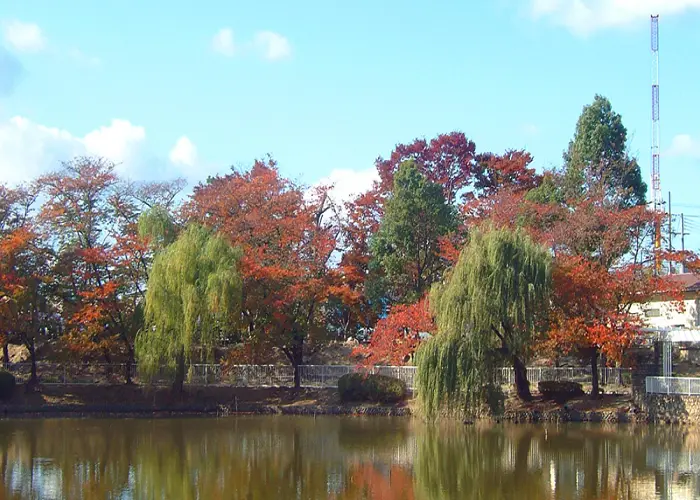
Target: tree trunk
[
  {"x": 179, "y": 382},
  {"x": 522, "y": 385},
  {"x": 297, "y": 376},
  {"x": 130, "y": 362},
  {"x": 108, "y": 363},
  {"x": 595, "y": 386},
  {"x": 295, "y": 355},
  {"x": 6, "y": 354},
  {"x": 34, "y": 378}
]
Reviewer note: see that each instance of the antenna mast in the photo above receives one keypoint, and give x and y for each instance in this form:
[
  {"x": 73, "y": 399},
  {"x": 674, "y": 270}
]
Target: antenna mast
[{"x": 655, "y": 148}]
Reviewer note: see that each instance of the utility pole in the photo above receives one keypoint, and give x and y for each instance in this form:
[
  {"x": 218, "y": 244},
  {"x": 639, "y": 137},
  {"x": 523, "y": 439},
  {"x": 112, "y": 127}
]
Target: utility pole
[
  {"x": 670, "y": 235},
  {"x": 683, "y": 235}
]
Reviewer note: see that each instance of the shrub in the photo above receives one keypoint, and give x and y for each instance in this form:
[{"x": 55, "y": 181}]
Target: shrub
[
  {"x": 376, "y": 388},
  {"x": 560, "y": 391},
  {"x": 7, "y": 384}
]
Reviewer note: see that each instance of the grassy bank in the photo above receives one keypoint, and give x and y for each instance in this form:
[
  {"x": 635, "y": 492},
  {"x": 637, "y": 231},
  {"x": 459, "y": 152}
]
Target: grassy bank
[{"x": 115, "y": 400}]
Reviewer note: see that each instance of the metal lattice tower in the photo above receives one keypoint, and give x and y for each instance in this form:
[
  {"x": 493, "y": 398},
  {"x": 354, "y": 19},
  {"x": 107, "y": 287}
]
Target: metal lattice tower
[{"x": 657, "y": 200}]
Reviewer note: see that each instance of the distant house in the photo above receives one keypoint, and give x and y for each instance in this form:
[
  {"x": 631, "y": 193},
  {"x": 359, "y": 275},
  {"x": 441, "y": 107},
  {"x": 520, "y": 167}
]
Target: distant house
[{"x": 663, "y": 313}]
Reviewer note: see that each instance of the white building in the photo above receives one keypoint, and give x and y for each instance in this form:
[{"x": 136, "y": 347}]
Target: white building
[{"x": 662, "y": 313}]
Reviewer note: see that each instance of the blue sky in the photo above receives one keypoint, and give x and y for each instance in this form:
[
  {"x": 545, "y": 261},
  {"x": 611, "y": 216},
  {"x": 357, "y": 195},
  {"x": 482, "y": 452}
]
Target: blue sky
[{"x": 190, "y": 88}]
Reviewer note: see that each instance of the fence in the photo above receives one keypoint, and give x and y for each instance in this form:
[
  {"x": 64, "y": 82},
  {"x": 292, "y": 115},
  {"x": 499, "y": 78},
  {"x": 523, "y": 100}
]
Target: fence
[
  {"x": 318, "y": 376},
  {"x": 536, "y": 374},
  {"x": 685, "y": 386},
  {"x": 68, "y": 373},
  {"x": 328, "y": 375}
]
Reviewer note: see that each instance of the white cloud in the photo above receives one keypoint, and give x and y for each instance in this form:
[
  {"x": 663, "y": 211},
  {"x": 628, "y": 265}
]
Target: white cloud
[
  {"x": 347, "y": 183},
  {"x": 273, "y": 46},
  {"x": 28, "y": 149},
  {"x": 223, "y": 42},
  {"x": 28, "y": 37},
  {"x": 684, "y": 145},
  {"x": 268, "y": 44},
  {"x": 119, "y": 141},
  {"x": 24, "y": 37},
  {"x": 584, "y": 17},
  {"x": 184, "y": 152}
]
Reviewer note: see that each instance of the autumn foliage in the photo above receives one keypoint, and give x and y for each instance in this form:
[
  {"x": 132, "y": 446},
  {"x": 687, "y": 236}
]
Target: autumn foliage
[
  {"x": 74, "y": 268},
  {"x": 396, "y": 336},
  {"x": 287, "y": 242}
]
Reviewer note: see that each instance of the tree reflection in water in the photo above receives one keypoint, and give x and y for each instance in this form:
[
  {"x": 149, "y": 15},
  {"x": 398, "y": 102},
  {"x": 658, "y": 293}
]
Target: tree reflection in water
[{"x": 342, "y": 458}]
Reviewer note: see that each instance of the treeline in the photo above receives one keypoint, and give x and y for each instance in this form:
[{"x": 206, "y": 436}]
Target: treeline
[{"x": 102, "y": 267}]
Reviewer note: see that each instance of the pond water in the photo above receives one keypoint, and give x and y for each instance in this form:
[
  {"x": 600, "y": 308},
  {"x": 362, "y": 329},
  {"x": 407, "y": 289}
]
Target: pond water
[{"x": 284, "y": 457}]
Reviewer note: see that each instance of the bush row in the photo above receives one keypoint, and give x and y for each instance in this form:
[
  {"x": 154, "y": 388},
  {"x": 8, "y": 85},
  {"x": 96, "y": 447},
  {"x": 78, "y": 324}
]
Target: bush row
[{"x": 559, "y": 391}]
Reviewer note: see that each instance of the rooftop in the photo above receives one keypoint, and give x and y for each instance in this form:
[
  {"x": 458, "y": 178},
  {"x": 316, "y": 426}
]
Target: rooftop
[{"x": 689, "y": 281}]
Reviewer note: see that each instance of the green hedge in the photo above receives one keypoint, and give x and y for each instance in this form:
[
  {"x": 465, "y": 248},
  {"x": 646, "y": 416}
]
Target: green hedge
[
  {"x": 7, "y": 384},
  {"x": 560, "y": 391},
  {"x": 375, "y": 388}
]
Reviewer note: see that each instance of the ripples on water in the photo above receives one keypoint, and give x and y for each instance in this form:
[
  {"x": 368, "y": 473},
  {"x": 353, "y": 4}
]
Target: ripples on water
[{"x": 282, "y": 458}]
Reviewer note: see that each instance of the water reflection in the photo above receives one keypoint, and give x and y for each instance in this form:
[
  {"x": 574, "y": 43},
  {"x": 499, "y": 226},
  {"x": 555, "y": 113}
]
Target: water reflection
[{"x": 342, "y": 458}]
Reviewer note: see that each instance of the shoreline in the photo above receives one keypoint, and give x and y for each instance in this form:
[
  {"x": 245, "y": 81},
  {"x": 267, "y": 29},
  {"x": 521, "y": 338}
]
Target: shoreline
[
  {"x": 510, "y": 416},
  {"x": 519, "y": 416},
  {"x": 120, "y": 401},
  {"x": 80, "y": 411}
]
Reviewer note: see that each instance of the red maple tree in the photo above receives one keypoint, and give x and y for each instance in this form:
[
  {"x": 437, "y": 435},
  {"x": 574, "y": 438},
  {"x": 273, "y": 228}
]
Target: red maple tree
[
  {"x": 397, "y": 336},
  {"x": 448, "y": 160},
  {"x": 287, "y": 238},
  {"x": 363, "y": 215},
  {"x": 511, "y": 170}
]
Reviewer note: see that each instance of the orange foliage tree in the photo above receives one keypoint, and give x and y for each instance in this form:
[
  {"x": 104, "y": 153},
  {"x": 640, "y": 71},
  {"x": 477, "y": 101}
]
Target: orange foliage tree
[
  {"x": 288, "y": 237},
  {"x": 353, "y": 313},
  {"x": 102, "y": 263},
  {"x": 14, "y": 214},
  {"x": 511, "y": 170},
  {"x": 25, "y": 312},
  {"x": 396, "y": 337}
]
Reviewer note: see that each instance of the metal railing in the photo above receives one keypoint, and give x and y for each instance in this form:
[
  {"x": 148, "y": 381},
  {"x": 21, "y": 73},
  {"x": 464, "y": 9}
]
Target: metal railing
[
  {"x": 318, "y": 376},
  {"x": 328, "y": 375},
  {"x": 536, "y": 374},
  {"x": 50, "y": 373},
  {"x": 684, "y": 386}
]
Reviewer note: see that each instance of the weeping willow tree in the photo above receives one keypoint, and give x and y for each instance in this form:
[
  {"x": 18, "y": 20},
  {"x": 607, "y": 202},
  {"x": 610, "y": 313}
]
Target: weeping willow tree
[
  {"x": 157, "y": 225},
  {"x": 489, "y": 305},
  {"x": 194, "y": 294}
]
